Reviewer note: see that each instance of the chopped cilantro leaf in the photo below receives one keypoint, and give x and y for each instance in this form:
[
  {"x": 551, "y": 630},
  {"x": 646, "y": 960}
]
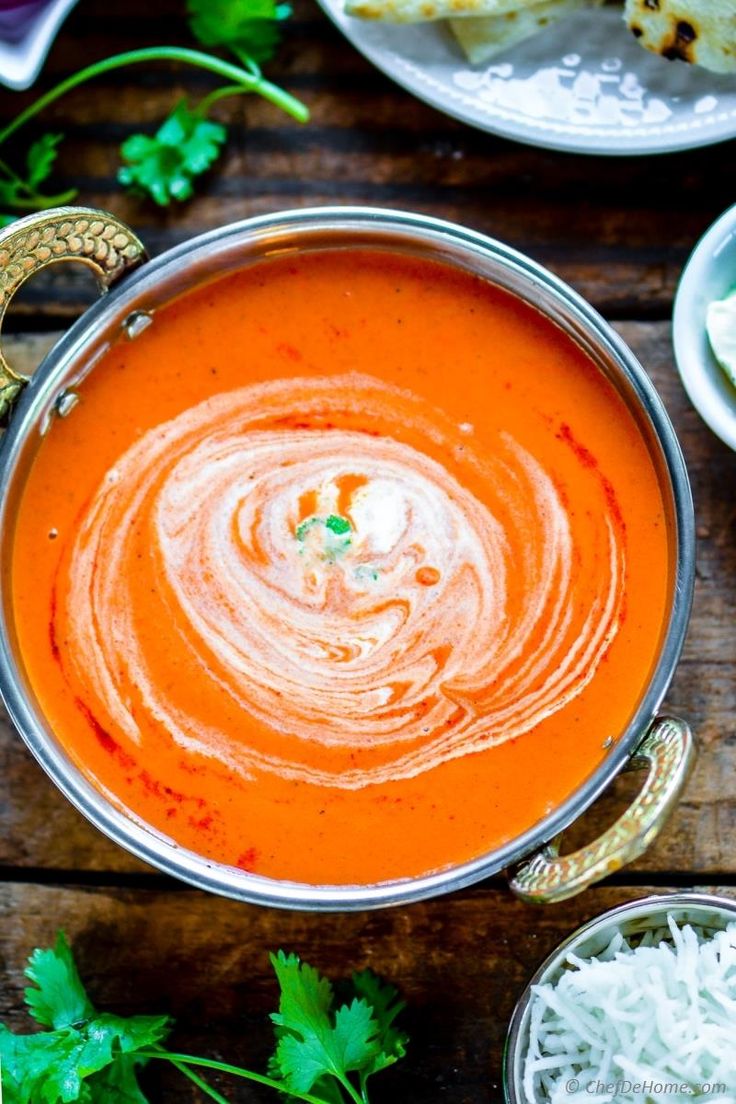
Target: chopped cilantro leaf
[{"x": 338, "y": 524}]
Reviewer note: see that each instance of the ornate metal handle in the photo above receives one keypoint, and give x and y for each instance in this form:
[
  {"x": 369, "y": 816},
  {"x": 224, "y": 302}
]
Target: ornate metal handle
[
  {"x": 60, "y": 234},
  {"x": 668, "y": 752}
]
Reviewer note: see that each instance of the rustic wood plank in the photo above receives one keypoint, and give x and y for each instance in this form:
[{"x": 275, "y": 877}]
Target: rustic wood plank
[
  {"x": 618, "y": 229},
  {"x": 38, "y": 828},
  {"x": 460, "y": 961}
]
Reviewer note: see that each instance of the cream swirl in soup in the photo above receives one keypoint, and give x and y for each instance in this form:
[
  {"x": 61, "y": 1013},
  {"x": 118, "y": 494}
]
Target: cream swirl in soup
[{"x": 343, "y": 587}]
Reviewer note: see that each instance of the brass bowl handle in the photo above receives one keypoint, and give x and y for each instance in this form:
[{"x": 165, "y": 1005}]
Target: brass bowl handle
[
  {"x": 81, "y": 234},
  {"x": 668, "y": 753}
]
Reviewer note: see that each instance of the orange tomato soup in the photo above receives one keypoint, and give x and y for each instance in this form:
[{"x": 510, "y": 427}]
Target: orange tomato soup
[{"x": 347, "y": 569}]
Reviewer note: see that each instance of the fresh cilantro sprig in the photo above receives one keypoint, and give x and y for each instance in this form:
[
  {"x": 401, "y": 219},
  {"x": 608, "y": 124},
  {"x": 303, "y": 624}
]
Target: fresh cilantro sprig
[
  {"x": 164, "y": 165},
  {"x": 325, "y": 1051},
  {"x": 188, "y": 143},
  {"x": 85, "y": 1056},
  {"x": 21, "y": 192}
]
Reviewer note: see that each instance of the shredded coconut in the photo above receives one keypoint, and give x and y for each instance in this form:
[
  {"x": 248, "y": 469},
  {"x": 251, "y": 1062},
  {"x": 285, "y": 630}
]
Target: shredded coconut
[{"x": 638, "y": 1024}]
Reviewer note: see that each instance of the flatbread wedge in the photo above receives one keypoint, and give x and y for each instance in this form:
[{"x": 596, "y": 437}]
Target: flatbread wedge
[
  {"x": 422, "y": 11},
  {"x": 485, "y": 36},
  {"x": 702, "y": 32}
]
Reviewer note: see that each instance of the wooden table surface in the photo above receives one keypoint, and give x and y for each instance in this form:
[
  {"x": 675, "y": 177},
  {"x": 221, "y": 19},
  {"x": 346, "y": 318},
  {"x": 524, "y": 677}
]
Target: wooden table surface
[{"x": 619, "y": 231}]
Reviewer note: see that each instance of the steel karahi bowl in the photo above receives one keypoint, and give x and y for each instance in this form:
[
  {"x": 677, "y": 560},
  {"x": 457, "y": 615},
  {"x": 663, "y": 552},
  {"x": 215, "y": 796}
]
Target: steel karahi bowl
[
  {"x": 632, "y": 919},
  {"x": 135, "y": 289}
]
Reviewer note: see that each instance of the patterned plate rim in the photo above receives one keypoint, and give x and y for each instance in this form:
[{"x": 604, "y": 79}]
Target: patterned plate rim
[{"x": 671, "y": 137}]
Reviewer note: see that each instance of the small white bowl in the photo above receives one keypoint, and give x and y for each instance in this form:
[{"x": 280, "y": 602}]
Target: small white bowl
[{"x": 709, "y": 274}]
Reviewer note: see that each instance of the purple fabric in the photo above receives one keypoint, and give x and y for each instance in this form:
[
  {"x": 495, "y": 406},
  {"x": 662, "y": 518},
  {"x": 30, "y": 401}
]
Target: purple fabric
[{"x": 17, "y": 16}]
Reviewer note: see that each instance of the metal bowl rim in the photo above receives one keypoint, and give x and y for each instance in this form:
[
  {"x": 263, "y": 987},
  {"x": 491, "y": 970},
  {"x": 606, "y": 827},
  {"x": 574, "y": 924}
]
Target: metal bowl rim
[{"x": 204, "y": 873}]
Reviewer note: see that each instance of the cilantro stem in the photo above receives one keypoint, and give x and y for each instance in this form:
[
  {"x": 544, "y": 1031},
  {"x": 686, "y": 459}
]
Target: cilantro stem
[
  {"x": 350, "y": 1089},
  {"x": 248, "y": 82},
  {"x": 200, "y": 1082},
  {"x": 36, "y": 202},
  {"x": 235, "y": 1071},
  {"x": 246, "y": 60},
  {"x": 218, "y": 94}
]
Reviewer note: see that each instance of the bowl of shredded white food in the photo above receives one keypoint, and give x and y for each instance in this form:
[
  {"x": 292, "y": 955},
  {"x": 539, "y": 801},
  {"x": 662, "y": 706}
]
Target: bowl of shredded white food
[{"x": 636, "y": 1007}]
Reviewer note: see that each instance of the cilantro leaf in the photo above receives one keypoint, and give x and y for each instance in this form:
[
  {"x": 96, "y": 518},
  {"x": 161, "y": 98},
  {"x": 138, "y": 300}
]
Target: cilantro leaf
[
  {"x": 52, "y": 1067},
  {"x": 59, "y": 999},
  {"x": 325, "y": 1049},
  {"x": 47, "y": 1068},
  {"x": 306, "y": 997},
  {"x": 19, "y": 193},
  {"x": 40, "y": 159},
  {"x": 164, "y": 166},
  {"x": 89, "y": 1057},
  {"x": 317, "y": 1046},
  {"x": 117, "y": 1083},
  {"x": 107, "y": 1035},
  {"x": 36, "y": 1068},
  {"x": 354, "y": 1038},
  {"x": 386, "y": 1004},
  {"x": 250, "y": 28}
]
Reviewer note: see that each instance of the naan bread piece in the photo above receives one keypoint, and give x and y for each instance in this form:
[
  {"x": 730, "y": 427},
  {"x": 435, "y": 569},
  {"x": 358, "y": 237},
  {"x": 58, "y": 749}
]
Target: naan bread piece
[
  {"x": 422, "y": 11},
  {"x": 699, "y": 31},
  {"x": 483, "y": 37}
]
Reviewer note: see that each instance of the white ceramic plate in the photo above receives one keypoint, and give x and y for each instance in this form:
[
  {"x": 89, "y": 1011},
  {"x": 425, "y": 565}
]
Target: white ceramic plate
[
  {"x": 584, "y": 85},
  {"x": 709, "y": 274}
]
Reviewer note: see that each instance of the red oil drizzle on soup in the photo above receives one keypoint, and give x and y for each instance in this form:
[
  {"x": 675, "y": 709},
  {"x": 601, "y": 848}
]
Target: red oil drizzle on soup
[{"x": 358, "y": 563}]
